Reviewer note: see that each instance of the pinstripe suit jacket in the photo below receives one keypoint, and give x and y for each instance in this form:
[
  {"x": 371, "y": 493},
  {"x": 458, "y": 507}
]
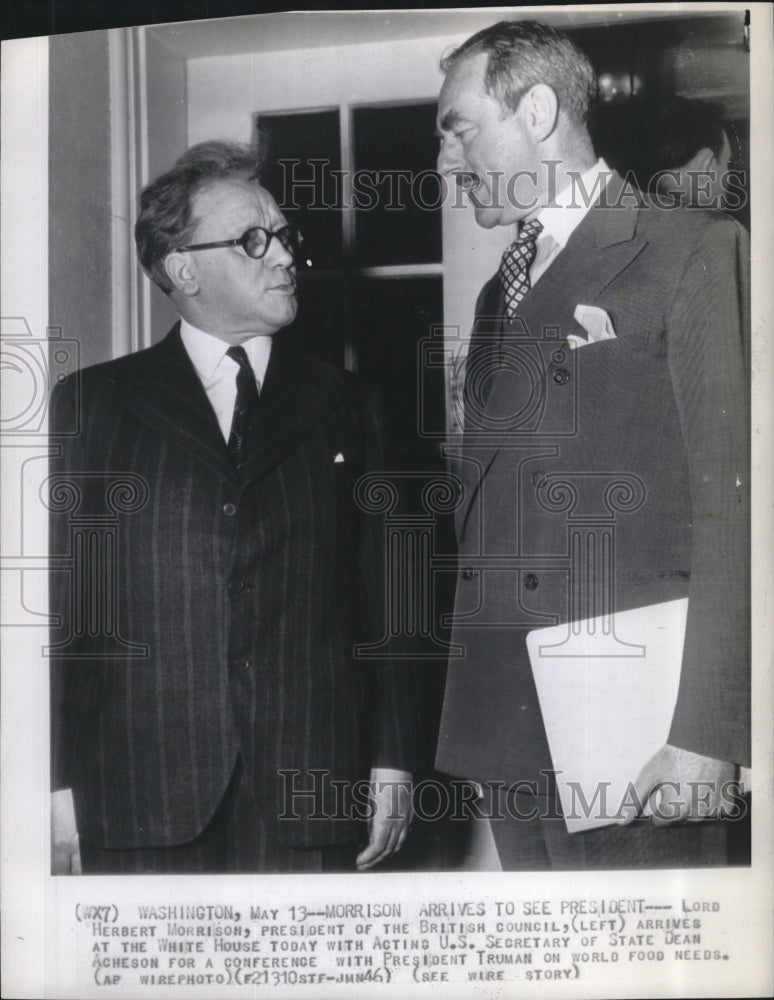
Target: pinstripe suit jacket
[
  {"x": 201, "y": 619},
  {"x": 638, "y": 443}
]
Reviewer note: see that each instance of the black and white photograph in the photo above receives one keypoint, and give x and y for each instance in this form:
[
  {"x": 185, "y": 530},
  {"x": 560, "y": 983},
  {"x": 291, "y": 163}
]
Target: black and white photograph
[{"x": 386, "y": 503}]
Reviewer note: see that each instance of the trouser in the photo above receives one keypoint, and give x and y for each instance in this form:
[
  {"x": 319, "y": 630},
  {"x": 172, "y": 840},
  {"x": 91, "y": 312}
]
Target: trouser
[{"x": 235, "y": 840}]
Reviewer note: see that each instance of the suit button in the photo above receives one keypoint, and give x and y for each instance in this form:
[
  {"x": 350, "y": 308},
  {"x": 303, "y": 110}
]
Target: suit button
[
  {"x": 242, "y": 663},
  {"x": 229, "y": 509},
  {"x": 469, "y": 574},
  {"x": 558, "y": 357},
  {"x": 530, "y": 581},
  {"x": 236, "y": 586},
  {"x": 561, "y": 376}
]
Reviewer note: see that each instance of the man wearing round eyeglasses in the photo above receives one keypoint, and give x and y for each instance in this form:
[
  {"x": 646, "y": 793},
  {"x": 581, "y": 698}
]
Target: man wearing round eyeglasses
[
  {"x": 219, "y": 719},
  {"x": 217, "y": 284}
]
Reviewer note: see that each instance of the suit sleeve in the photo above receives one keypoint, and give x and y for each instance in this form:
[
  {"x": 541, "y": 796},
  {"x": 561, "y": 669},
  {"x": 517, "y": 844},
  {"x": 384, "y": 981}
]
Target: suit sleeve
[
  {"x": 392, "y": 684},
  {"x": 708, "y": 351}
]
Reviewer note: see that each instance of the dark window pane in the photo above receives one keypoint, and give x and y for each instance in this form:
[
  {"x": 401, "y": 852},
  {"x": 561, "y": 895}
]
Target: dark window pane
[
  {"x": 396, "y": 192},
  {"x": 302, "y": 169},
  {"x": 321, "y": 322},
  {"x": 390, "y": 319}
]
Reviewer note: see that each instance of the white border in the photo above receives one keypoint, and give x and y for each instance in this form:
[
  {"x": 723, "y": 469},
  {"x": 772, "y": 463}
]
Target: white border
[{"x": 39, "y": 927}]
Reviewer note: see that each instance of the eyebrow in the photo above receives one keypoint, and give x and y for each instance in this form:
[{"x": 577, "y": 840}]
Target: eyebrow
[{"x": 449, "y": 120}]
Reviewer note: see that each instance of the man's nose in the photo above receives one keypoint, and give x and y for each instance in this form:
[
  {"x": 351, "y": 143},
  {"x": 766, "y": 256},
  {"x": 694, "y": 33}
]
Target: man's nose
[
  {"x": 278, "y": 254},
  {"x": 450, "y": 158}
]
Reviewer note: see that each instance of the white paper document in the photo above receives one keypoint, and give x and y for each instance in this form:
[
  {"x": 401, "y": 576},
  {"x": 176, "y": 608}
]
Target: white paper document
[{"x": 607, "y": 688}]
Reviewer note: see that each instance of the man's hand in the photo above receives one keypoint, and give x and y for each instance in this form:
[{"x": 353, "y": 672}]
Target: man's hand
[
  {"x": 680, "y": 785},
  {"x": 391, "y": 817},
  {"x": 65, "y": 853}
]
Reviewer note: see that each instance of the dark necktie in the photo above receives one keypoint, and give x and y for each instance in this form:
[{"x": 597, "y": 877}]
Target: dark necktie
[
  {"x": 245, "y": 404},
  {"x": 515, "y": 265}
]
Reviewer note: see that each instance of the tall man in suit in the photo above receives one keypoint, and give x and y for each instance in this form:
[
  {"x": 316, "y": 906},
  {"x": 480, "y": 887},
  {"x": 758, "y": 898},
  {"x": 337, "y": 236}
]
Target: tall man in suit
[
  {"x": 606, "y": 384},
  {"x": 209, "y": 711}
]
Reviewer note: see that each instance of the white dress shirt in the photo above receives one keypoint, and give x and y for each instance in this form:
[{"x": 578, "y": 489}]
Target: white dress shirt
[{"x": 217, "y": 372}]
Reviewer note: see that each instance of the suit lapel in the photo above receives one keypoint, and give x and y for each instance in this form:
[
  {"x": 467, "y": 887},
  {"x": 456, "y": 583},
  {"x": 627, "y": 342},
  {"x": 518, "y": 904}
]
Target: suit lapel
[
  {"x": 296, "y": 394},
  {"x": 597, "y": 251},
  {"x": 164, "y": 391}
]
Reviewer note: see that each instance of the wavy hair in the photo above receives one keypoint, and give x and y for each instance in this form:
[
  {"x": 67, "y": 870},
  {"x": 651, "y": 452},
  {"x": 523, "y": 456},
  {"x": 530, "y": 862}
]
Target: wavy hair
[
  {"x": 166, "y": 219},
  {"x": 525, "y": 53}
]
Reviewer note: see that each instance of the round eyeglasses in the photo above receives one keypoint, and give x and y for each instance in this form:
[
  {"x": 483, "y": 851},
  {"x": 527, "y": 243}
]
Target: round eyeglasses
[{"x": 256, "y": 241}]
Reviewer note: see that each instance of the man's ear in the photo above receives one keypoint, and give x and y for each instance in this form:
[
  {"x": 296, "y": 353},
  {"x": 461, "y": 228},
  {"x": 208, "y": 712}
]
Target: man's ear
[
  {"x": 182, "y": 274},
  {"x": 541, "y": 111}
]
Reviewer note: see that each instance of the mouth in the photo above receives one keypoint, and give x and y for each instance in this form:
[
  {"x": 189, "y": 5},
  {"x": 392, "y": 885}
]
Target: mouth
[{"x": 468, "y": 181}]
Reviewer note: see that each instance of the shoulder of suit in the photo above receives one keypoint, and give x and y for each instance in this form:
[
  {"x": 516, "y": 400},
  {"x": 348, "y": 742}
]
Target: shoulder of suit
[
  {"x": 687, "y": 225},
  {"x": 96, "y": 384},
  {"x": 686, "y": 242},
  {"x": 117, "y": 369}
]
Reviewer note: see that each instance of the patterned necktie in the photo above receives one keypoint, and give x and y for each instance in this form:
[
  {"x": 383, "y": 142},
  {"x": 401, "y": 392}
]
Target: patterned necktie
[
  {"x": 515, "y": 265},
  {"x": 245, "y": 405}
]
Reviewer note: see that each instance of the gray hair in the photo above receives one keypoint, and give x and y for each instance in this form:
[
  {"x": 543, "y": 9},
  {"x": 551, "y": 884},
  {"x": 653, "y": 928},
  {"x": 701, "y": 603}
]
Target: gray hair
[
  {"x": 525, "y": 53},
  {"x": 166, "y": 217}
]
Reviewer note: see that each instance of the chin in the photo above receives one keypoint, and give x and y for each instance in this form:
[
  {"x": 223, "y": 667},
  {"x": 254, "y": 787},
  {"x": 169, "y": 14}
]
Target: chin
[{"x": 489, "y": 218}]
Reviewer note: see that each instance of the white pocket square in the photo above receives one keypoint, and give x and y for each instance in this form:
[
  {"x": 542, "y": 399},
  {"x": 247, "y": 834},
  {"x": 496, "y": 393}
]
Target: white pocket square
[
  {"x": 595, "y": 322},
  {"x": 338, "y": 458}
]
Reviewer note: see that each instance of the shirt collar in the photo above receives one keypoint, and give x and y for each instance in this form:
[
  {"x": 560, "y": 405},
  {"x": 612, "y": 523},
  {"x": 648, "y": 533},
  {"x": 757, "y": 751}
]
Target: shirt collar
[
  {"x": 569, "y": 207},
  {"x": 207, "y": 351}
]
